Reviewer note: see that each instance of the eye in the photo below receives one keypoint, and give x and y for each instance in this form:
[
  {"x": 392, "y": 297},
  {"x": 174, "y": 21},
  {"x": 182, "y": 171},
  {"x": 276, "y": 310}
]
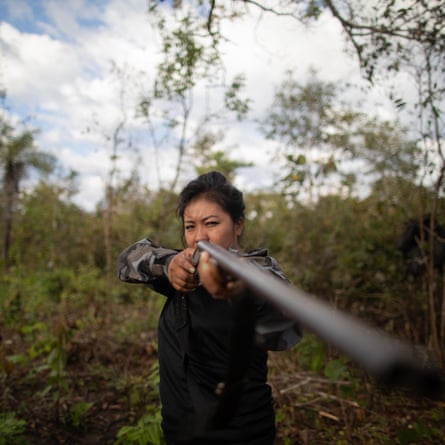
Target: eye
[
  {"x": 212, "y": 223},
  {"x": 189, "y": 227}
]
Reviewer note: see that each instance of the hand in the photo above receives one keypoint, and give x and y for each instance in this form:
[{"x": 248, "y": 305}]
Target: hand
[
  {"x": 182, "y": 273},
  {"x": 219, "y": 284}
]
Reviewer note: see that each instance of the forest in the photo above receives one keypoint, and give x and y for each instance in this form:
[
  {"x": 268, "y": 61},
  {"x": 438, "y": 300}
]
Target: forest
[{"x": 78, "y": 348}]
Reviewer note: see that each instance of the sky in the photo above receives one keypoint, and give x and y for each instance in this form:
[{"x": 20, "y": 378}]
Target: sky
[{"x": 56, "y": 65}]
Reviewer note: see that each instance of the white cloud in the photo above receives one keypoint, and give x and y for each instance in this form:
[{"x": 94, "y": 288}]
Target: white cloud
[
  {"x": 90, "y": 191},
  {"x": 35, "y": 65},
  {"x": 264, "y": 49},
  {"x": 63, "y": 76}
]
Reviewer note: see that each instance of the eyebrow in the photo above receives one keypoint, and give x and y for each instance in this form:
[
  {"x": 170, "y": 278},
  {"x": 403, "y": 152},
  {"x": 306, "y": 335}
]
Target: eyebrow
[{"x": 203, "y": 219}]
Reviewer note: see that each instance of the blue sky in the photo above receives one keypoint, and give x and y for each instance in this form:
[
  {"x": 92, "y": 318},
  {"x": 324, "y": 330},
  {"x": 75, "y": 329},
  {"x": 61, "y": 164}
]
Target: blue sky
[
  {"x": 38, "y": 16},
  {"x": 56, "y": 66}
]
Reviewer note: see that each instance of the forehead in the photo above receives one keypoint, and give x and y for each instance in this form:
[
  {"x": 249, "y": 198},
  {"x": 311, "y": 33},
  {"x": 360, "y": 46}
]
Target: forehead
[{"x": 202, "y": 208}]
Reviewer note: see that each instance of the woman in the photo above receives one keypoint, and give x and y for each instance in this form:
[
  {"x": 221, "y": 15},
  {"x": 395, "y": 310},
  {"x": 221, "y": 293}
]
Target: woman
[{"x": 195, "y": 323}]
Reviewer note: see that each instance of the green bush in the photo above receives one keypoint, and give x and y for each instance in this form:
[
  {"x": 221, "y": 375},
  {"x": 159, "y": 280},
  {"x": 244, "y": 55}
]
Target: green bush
[
  {"x": 146, "y": 432},
  {"x": 11, "y": 430}
]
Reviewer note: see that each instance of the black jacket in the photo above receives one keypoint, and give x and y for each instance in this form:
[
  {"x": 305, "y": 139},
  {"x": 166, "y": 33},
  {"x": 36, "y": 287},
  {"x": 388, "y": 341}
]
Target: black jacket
[{"x": 193, "y": 340}]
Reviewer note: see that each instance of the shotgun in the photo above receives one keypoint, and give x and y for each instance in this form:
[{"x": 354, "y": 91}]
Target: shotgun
[{"x": 389, "y": 360}]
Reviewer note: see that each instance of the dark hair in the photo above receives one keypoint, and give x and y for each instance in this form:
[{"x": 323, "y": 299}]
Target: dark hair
[{"x": 214, "y": 187}]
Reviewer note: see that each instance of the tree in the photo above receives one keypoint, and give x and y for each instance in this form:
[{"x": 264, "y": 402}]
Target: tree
[
  {"x": 320, "y": 138},
  {"x": 409, "y": 36},
  {"x": 389, "y": 37},
  {"x": 207, "y": 158},
  {"x": 190, "y": 71},
  {"x": 50, "y": 232},
  {"x": 117, "y": 139},
  {"x": 18, "y": 155}
]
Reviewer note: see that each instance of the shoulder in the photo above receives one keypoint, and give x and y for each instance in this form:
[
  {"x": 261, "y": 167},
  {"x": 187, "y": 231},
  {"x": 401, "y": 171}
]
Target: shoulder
[
  {"x": 145, "y": 245},
  {"x": 261, "y": 258}
]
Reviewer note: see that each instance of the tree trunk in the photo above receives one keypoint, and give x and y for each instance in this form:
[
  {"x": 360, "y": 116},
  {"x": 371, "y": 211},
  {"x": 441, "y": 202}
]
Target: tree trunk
[{"x": 9, "y": 191}]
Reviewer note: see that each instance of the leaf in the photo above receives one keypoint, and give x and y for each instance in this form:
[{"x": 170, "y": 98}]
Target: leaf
[{"x": 335, "y": 369}]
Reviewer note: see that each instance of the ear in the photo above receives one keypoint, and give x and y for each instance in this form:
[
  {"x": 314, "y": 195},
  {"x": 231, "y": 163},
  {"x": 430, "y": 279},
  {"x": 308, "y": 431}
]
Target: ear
[{"x": 239, "y": 225}]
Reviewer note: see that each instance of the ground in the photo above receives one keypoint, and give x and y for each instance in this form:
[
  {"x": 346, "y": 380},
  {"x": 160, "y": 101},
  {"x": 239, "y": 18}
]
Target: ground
[{"x": 93, "y": 379}]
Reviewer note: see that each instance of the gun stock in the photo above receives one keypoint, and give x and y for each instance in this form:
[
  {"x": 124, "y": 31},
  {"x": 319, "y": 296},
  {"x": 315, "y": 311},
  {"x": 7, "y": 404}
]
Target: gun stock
[{"x": 389, "y": 360}]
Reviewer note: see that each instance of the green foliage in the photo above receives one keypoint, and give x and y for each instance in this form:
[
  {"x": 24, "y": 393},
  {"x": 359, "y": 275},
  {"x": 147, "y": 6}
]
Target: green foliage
[
  {"x": 336, "y": 369},
  {"x": 55, "y": 224},
  {"x": 387, "y": 34},
  {"x": 78, "y": 413},
  {"x": 269, "y": 222},
  {"x": 339, "y": 246},
  {"x": 312, "y": 353},
  {"x": 154, "y": 377},
  {"x": 11, "y": 430},
  {"x": 186, "y": 59},
  {"x": 147, "y": 431},
  {"x": 25, "y": 295},
  {"x": 190, "y": 61},
  {"x": 232, "y": 100},
  {"x": 341, "y": 249},
  {"x": 18, "y": 155},
  {"x": 208, "y": 158},
  {"x": 50, "y": 346},
  {"x": 321, "y": 138},
  {"x": 38, "y": 337},
  {"x": 57, "y": 359}
]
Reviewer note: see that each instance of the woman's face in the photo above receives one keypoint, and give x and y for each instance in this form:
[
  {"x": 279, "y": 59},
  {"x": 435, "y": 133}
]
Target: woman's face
[{"x": 206, "y": 220}]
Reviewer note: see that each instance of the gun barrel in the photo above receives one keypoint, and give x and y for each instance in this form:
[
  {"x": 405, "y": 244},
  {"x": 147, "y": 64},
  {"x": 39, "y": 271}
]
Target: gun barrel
[{"x": 382, "y": 356}]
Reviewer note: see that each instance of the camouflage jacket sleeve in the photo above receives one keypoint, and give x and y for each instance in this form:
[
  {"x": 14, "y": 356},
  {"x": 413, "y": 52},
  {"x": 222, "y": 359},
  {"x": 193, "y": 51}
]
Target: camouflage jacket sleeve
[
  {"x": 145, "y": 263},
  {"x": 274, "y": 331}
]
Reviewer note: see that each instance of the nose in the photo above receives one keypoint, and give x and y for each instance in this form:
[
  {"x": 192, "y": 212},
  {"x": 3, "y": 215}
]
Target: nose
[{"x": 201, "y": 234}]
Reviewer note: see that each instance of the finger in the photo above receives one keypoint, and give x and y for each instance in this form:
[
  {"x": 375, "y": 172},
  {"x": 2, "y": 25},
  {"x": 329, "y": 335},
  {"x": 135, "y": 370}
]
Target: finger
[
  {"x": 182, "y": 273},
  {"x": 219, "y": 284},
  {"x": 214, "y": 279},
  {"x": 207, "y": 273},
  {"x": 234, "y": 285},
  {"x": 187, "y": 261},
  {"x": 185, "y": 285},
  {"x": 210, "y": 267}
]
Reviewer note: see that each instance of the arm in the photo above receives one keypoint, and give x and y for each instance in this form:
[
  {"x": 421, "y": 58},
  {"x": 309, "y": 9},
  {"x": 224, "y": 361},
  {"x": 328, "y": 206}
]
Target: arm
[
  {"x": 388, "y": 359},
  {"x": 274, "y": 331},
  {"x": 145, "y": 263},
  {"x": 160, "y": 268}
]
